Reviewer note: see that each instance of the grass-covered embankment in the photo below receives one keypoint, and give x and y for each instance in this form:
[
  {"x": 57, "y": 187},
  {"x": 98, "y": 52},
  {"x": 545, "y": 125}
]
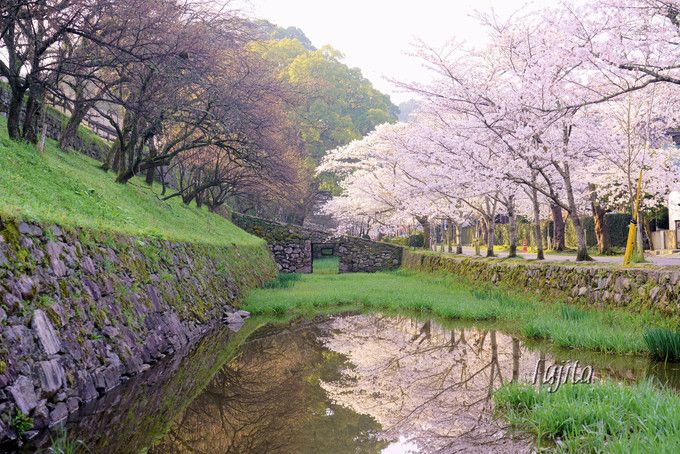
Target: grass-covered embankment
[
  {"x": 447, "y": 296},
  {"x": 71, "y": 190},
  {"x": 603, "y": 417}
]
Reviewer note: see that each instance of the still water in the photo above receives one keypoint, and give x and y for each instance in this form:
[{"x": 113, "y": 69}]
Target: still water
[{"x": 344, "y": 384}]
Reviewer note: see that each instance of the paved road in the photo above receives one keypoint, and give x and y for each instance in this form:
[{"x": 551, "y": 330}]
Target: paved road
[{"x": 659, "y": 260}]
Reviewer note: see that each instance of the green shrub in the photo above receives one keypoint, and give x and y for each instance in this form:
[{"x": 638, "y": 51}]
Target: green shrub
[
  {"x": 21, "y": 423},
  {"x": 663, "y": 344}
]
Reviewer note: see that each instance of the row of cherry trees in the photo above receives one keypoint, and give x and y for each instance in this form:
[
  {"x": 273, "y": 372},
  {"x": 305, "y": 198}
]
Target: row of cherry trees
[
  {"x": 175, "y": 81},
  {"x": 556, "y": 115}
]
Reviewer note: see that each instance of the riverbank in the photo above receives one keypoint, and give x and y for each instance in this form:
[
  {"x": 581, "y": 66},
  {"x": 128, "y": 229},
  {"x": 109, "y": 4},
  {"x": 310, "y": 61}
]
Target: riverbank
[
  {"x": 448, "y": 296},
  {"x": 602, "y": 417},
  {"x": 638, "y": 289},
  {"x": 98, "y": 281},
  {"x": 578, "y": 418}
]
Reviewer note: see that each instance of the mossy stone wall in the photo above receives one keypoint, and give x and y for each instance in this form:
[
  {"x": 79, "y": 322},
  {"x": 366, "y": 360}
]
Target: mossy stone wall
[
  {"x": 81, "y": 311},
  {"x": 603, "y": 286}
]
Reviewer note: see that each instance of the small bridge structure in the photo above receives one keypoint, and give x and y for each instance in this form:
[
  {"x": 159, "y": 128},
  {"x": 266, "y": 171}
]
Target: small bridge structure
[{"x": 294, "y": 247}]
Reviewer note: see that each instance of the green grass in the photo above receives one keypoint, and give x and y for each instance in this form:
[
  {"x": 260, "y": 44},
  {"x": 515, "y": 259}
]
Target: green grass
[
  {"x": 446, "y": 296},
  {"x": 664, "y": 344},
  {"x": 602, "y": 417},
  {"x": 70, "y": 189},
  {"x": 326, "y": 265}
]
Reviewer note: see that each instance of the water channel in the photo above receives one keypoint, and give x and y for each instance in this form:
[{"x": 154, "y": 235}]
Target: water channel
[{"x": 343, "y": 384}]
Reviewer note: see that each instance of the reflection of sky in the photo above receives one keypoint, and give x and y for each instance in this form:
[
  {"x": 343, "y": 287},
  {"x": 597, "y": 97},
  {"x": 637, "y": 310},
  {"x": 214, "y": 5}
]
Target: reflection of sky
[{"x": 402, "y": 446}]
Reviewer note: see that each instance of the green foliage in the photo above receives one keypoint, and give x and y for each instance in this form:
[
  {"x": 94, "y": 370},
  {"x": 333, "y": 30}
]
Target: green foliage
[
  {"x": 338, "y": 104},
  {"x": 602, "y": 417},
  {"x": 70, "y": 189},
  {"x": 445, "y": 295},
  {"x": 21, "y": 423},
  {"x": 416, "y": 240},
  {"x": 663, "y": 344}
]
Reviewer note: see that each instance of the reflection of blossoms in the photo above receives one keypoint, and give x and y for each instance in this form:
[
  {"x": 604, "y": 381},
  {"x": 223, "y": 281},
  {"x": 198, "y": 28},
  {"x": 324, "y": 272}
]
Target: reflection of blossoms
[{"x": 430, "y": 385}]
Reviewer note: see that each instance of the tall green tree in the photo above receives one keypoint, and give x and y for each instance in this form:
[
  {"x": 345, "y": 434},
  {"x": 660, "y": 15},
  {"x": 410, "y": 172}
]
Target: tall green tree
[{"x": 336, "y": 104}]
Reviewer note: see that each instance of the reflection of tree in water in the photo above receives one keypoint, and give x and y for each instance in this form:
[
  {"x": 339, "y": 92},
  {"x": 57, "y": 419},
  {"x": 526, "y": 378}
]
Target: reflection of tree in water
[
  {"x": 430, "y": 384},
  {"x": 268, "y": 400}
]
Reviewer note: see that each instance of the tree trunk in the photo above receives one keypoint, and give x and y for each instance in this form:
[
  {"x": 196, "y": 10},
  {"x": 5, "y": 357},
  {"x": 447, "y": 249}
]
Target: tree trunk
[
  {"x": 150, "y": 172},
  {"x": 640, "y": 236},
  {"x": 33, "y": 106},
  {"x": 558, "y": 227},
  {"x": 14, "y": 114},
  {"x": 485, "y": 231},
  {"x": 537, "y": 224},
  {"x": 425, "y": 224},
  {"x": 512, "y": 226},
  {"x": 459, "y": 239},
  {"x": 600, "y": 223},
  {"x": 491, "y": 236},
  {"x": 70, "y": 131},
  {"x": 582, "y": 251},
  {"x": 449, "y": 235}
]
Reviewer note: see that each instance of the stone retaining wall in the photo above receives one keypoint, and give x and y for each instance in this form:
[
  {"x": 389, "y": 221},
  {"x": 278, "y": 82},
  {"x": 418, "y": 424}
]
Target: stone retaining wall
[
  {"x": 292, "y": 247},
  {"x": 82, "y": 311},
  {"x": 633, "y": 288}
]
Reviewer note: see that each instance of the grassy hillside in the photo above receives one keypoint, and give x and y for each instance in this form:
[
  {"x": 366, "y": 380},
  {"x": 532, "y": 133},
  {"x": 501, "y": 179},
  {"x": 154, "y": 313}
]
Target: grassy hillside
[{"x": 71, "y": 189}]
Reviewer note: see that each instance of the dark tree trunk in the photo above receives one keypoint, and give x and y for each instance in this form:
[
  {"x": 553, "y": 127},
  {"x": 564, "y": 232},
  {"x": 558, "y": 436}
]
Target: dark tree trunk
[
  {"x": 425, "y": 224},
  {"x": 150, "y": 172},
  {"x": 512, "y": 227},
  {"x": 537, "y": 225},
  {"x": 14, "y": 114},
  {"x": 70, "y": 132},
  {"x": 450, "y": 234},
  {"x": 558, "y": 227},
  {"x": 31, "y": 116}
]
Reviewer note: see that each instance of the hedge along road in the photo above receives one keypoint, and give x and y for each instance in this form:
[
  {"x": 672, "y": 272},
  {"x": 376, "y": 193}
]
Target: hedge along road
[{"x": 659, "y": 260}]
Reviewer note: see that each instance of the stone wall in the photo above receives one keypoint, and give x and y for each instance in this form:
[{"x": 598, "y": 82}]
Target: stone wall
[
  {"x": 633, "y": 288},
  {"x": 292, "y": 247},
  {"x": 360, "y": 255},
  {"x": 82, "y": 311}
]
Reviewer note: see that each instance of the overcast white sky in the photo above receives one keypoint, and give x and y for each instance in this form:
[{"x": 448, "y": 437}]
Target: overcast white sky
[{"x": 375, "y": 35}]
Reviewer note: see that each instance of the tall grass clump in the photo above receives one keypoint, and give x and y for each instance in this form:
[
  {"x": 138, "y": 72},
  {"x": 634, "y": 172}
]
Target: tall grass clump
[
  {"x": 283, "y": 280},
  {"x": 663, "y": 344},
  {"x": 572, "y": 313},
  {"x": 602, "y": 417},
  {"x": 62, "y": 444}
]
